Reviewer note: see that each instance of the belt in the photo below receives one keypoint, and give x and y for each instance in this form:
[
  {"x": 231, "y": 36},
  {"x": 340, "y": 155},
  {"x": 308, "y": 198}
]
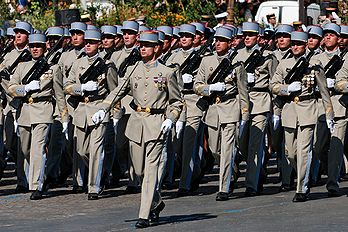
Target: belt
[
  {"x": 149, "y": 110},
  {"x": 187, "y": 91},
  {"x": 260, "y": 89},
  {"x": 223, "y": 98},
  {"x": 301, "y": 98},
  {"x": 92, "y": 98},
  {"x": 31, "y": 100}
]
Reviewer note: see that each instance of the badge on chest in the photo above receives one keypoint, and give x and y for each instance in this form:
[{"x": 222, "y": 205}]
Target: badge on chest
[{"x": 160, "y": 81}]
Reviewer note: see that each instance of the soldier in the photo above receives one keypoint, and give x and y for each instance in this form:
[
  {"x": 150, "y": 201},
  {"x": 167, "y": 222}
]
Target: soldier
[
  {"x": 119, "y": 38},
  {"x": 109, "y": 34},
  {"x": 22, "y": 32},
  {"x": 282, "y": 37},
  {"x": 260, "y": 107},
  {"x": 300, "y": 97},
  {"x": 238, "y": 42},
  {"x": 34, "y": 116},
  {"x": 199, "y": 37},
  {"x": 156, "y": 106},
  {"x": 89, "y": 94},
  {"x": 343, "y": 42},
  {"x": 167, "y": 43},
  {"x": 315, "y": 35},
  {"x": 224, "y": 112}
]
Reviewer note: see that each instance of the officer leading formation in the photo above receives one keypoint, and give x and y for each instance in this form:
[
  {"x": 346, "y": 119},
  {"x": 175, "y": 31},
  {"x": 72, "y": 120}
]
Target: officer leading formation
[{"x": 167, "y": 103}]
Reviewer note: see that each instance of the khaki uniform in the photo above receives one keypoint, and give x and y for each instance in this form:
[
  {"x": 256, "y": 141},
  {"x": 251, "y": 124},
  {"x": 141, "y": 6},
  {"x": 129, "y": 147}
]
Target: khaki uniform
[
  {"x": 34, "y": 120},
  {"x": 89, "y": 139},
  {"x": 299, "y": 127},
  {"x": 152, "y": 86},
  {"x": 260, "y": 107},
  {"x": 223, "y": 115}
]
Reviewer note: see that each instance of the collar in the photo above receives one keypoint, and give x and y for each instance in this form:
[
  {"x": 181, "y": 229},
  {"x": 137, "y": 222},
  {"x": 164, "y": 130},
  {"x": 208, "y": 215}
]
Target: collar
[
  {"x": 152, "y": 64},
  {"x": 253, "y": 48}
]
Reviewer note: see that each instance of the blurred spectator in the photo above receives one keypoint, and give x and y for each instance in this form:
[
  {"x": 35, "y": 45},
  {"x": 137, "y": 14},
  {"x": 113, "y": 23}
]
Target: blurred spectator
[{"x": 220, "y": 5}]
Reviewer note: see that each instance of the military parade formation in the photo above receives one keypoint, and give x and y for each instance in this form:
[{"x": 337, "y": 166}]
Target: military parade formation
[{"x": 156, "y": 105}]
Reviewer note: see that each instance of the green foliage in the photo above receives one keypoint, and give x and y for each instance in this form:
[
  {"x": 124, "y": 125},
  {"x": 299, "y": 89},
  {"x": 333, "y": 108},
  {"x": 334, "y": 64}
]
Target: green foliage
[{"x": 39, "y": 17}]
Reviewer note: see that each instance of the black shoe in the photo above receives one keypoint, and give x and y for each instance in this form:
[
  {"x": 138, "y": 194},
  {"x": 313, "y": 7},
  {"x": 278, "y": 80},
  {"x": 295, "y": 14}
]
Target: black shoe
[
  {"x": 182, "y": 192},
  {"x": 333, "y": 193},
  {"x": 132, "y": 190},
  {"x": 168, "y": 185},
  {"x": 250, "y": 192},
  {"x": 92, "y": 196},
  {"x": 194, "y": 185},
  {"x": 78, "y": 189},
  {"x": 222, "y": 196},
  {"x": 300, "y": 197},
  {"x": 154, "y": 214},
  {"x": 285, "y": 188},
  {"x": 21, "y": 189},
  {"x": 36, "y": 195},
  {"x": 142, "y": 223}
]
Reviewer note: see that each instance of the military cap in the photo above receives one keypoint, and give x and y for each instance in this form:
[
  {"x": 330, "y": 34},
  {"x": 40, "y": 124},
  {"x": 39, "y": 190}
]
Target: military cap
[
  {"x": 92, "y": 35},
  {"x": 161, "y": 36},
  {"x": 91, "y": 27},
  {"x": 10, "y": 31},
  {"x": 23, "y": 26},
  {"x": 262, "y": 31},
  {"x": 297, "y": 23},
  {"x": 85, "y": 17},
  {"x": 66, "y": 32},
  {"x": 199, "y": 27},
  {"x": 37, "y": 38},
  {"x": 315, "y": 30},
  {"x": 55, "y": 31},
  {"x": 119, "y": 29},
  {"x": 188, "y": 28},
  {"x": 167, "y": 30},
  {"x": 224, "y": 32},
  {"x": 176, "y": 31},
  {"x": 239, "y": 31},
  {"x": 330, "y": 9},
  {"x": 284, "y": 28},
  {"x": 109, "y": 30},
  {"x": 344, "y": 30},
  {"x": 250, "y": 27},
  {"x": 131, "y": 26},
  {"x": 149, "y": 36},
  {"x": 78, "y": 26},
  {"x": 143, "y": 28},
  {"x": 36, "y": 31},
  {"x": 332, "y": 27},
  {"x": 221, "y": 15},
  {"x": 230, "y": 26},
  {"x": 299, "y": 36}
]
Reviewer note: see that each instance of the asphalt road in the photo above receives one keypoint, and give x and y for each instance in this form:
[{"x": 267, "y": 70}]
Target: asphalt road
[{"x": 272, "y": 211}]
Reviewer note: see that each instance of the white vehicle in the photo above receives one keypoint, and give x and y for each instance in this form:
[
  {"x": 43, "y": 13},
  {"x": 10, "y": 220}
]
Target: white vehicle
[{"x": 286, "y": 12}]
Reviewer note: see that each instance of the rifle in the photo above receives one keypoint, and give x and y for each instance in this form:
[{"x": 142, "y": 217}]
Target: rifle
[
  {"x": 193, "y": 61},
  {"x": 223, "y": 69},
  {"x": 96, "y": 68},
  {"x": 34, "y": 73},
  {"x": 168, "y": 54},
  {"x": 335, "y": 64},
  {"x": 131, "y": 59},
  {"x": 254, "y": 59},
  {"x": 7, "y": 72}
]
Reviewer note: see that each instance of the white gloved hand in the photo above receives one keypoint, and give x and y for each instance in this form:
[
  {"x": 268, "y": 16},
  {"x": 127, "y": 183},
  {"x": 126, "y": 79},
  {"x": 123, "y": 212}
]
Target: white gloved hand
[
  {"x": 65, "y": 130},
  {"x": 294, "y": 86},
  {"x": 275, "y": 120},
  {"x": 241, "y": 127},
  {"x": 251, "y": 78},
  {"x": 166, "y": 125},
  {"x": 220, "y": 86},
  {"x": 33, "y": 85},
  {"x": 15, "y": 125},
  {"x": 331, "y": 125},
  {"x": 179, "y": 126},
  {"x": 98, "y": 117},
  {"x": 330, "y": 82},
  {"x": 187, "y": 78},
  {"x": 115, "y": 123},
  {"x": 89, "y": 86}
]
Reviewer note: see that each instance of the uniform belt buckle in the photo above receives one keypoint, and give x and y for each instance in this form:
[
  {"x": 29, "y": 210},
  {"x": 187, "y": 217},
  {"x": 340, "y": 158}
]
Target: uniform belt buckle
[
  {"x": 217, "y": 100},
  {"x": 138, "y": 108},
  {"x": 30, "y": 100},
  {"x": 147, "y": 110},
  {"x": 296, "y": 99},
  {"x": 86, "y": 99}
]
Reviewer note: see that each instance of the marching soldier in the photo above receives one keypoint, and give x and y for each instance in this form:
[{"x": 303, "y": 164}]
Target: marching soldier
[
  {"x": 156, "y": 107},
  {"x": 199, "y": 37},
  {"x": 89, "y": 94},
  {"x": 315, "y": 36},
  {"x": 300, "y": 97},
  {"x": 35, "y": 116},
  {"x": 230, "y": 102},
  {"x": 260, "y": 106},
  {"x": 109, "y": 34}
]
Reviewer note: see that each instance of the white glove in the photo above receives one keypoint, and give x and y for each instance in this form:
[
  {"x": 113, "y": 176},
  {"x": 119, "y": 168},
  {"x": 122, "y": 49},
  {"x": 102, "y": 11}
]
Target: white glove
[
  {"x": 275, "y": 120},
  {"x": 251, "y": 78},
  {"x": 166, "y": 125},
  {"x": 16, "y": 130},
  {"x": 33, "y": 85},
  {"x": 241, "y": 127},
  {"x": 330, "y": 82},
  {"x": 179, "y": 126},
  {"x": 98, "y": 117},
  {"x": 115, "y": 122},
  {"x": 187, "y": 78},
  {"x": 220, "y": 86},
  {"x": 331, "y": 125},
  {"x": 89, "y": 86},
  {"x": 294, "y": 86},
  {"x": 65, "y": 130}
]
